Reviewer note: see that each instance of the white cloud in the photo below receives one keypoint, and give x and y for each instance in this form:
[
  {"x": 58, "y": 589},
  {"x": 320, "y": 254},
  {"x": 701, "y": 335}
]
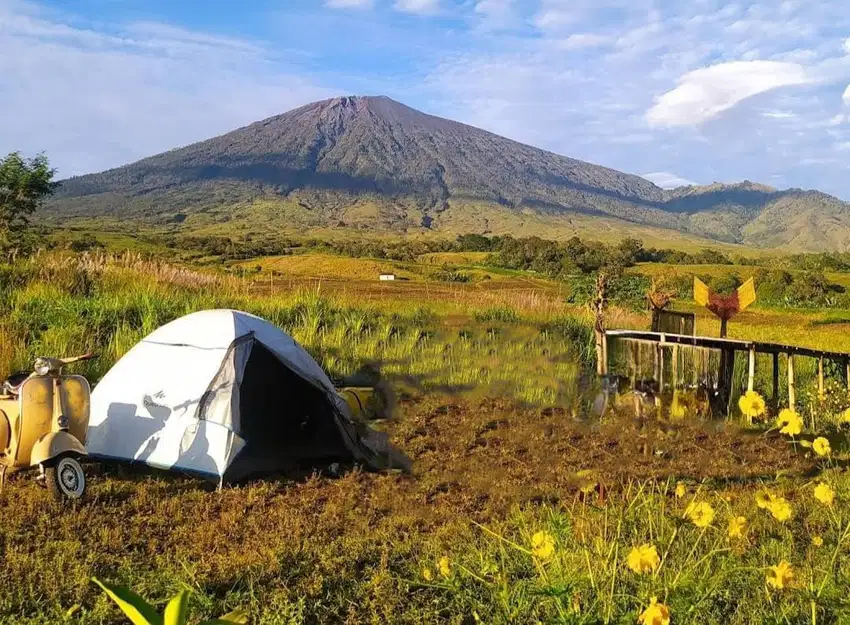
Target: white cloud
[
  {"x": 583, "y": 40},
  {"x": 666, "y": 180},
  {"x": 349, "y": 4},
  {"x": 496, "y": 14},
  {"x": 779, "y": 114},
  {"x": 494, "y": 8},
  {"x": 97, "y": 96},
  {"x": 837, "y": 120},
  {"x": 421, "y": 7},
  {"x": 845, "y": 97},
  {"x": 705, "y": 93},
  {"x": 847, "y": 45},
  {"x": 551, "y": 19}
]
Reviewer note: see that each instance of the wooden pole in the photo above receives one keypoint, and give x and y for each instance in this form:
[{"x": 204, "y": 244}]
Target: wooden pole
[
  {"x": 675, "y": 366},
  {"x": 635, "y": 349},
  {"x": 775, "y": 395},
  {"x": 751, "y": 373},
  {"x": 661, "y": 368},
  {"x": 792, "y": 397}
]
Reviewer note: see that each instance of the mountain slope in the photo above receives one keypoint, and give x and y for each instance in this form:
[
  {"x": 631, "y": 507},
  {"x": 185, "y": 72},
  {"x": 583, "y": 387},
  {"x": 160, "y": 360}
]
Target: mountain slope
[{"x": 376, "y": 163}]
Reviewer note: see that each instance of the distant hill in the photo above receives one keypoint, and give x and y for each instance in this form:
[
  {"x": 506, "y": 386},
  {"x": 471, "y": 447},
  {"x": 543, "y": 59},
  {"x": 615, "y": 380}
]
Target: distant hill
[{"x": 374, "y": 164}]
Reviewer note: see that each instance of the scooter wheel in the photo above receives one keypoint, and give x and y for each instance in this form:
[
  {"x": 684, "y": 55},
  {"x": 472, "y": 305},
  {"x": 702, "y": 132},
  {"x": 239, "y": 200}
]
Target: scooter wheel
[{"x": 65, "y": 479}]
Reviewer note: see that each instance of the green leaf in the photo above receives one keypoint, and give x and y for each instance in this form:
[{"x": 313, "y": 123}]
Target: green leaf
[
  {"x": 237, "y": 617},
  {"x": 176, "y": 613},
  {"x": 139, "y": 611}
]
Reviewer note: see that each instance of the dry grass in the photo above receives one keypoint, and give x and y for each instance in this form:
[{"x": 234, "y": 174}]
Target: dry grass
[{"x": 491, "y": 413}]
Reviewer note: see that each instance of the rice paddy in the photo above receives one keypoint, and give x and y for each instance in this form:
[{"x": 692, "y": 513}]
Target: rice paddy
[{"x": 522, "y": 507}]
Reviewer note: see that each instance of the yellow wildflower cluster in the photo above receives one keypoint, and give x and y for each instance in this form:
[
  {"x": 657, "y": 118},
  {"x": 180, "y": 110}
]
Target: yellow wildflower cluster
[
  {"x": 821, "y": 446},
  {"x": 780, "y": 576},
  {"x": 700, "y": 513},
  {"x": 824, "y": 494},
  {"x": 655, "y": 614},
  {"x": 777, "y": 506},
  {"x": 789, "y": 422},
  {"x": 737, "y": 527},
  {"x": 643, "y": 559},
  {"x": 543, "y": 545},
  {"x": 752, "y": 405}
]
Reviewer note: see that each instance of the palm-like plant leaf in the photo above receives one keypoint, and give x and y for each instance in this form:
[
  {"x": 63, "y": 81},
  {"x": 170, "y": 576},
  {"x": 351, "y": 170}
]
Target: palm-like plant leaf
[{"x": 139, "y": 611}]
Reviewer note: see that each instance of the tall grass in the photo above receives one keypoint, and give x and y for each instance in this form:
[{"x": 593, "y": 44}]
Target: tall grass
[{"x": 125, "y": 298}]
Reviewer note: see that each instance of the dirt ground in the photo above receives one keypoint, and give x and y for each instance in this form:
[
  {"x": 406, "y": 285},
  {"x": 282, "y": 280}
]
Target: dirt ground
[
  {"x": 312, "y": 538},
  {"x": 487, "y": 456}
]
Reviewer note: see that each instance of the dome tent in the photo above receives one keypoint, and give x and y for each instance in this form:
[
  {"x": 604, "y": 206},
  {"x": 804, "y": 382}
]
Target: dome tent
[{"x": 223, "y": 394}]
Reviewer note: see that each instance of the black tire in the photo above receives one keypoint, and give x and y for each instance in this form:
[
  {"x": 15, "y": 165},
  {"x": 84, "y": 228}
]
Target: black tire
[{"x": 65, "y": 479}]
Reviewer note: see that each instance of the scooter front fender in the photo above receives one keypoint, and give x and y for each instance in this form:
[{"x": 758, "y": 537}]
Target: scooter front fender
[{"x": 55, "y": 444}]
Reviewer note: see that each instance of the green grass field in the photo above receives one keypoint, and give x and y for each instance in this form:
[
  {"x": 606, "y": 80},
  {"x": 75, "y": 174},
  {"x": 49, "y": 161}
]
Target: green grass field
[{"x": 521, "y": 507}]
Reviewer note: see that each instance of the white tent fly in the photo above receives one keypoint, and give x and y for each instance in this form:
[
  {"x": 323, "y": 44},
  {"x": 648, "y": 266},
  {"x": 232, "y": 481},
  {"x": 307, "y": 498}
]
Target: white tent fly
[{"x": 224, "y": 394}]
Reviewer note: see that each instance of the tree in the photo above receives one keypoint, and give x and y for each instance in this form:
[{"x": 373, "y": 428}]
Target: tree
[{"x": 23, "y": 186}]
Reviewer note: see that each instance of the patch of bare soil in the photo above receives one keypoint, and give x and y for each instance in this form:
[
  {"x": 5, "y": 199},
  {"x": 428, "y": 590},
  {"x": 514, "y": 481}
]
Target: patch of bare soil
[{"x": 484, "y": 457}]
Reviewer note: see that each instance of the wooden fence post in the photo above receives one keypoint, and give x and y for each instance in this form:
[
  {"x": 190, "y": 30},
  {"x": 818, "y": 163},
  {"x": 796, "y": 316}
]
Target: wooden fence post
[
  {"x": 775, "y": 396},
  {"x": 751, "y": 374},
  {"x": 792, "y": 397}
]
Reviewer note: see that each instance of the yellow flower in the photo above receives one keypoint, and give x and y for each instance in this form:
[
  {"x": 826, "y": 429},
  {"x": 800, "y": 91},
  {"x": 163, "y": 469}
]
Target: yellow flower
[
  {"x": 737, "y": 527},
  {"x": 655, "y": 614},
  {"x": 643, "y": 559},
  {"x": 824, "y": 494},
  {"x": 780, "y": 509},
  {"x": 845, "y": 416},
  {"x": 780, "y": 575},
  {"x": 751, "y": 404},
  {"x": 700, "y": 513},
  {"x": 543, "y": 545},
  {"x": 817, "y": 541},
  {"x": 790, "y": 421},
  {"x": 426, "y": 573},
  {"x": 821, "y": 446},
  {"x": 763, "y": 500},
  {"x": 680, "y": 490},
  {"x": 444, "y": 566}
]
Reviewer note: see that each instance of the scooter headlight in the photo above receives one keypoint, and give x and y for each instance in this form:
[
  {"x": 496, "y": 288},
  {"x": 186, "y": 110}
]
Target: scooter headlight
[{"x": 42, "y": 367}]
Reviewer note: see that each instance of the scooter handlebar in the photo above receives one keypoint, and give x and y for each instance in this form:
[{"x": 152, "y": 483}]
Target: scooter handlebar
[{"x": 68, "y": 361}]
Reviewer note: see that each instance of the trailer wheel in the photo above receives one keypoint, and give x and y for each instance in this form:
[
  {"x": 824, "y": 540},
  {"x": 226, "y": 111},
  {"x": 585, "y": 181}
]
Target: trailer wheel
[{"x": 65, "y": 479}]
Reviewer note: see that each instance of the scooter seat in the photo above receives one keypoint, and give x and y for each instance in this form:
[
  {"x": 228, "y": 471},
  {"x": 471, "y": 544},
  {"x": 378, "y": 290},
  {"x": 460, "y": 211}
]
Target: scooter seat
[{"x": 12, "y": 384}]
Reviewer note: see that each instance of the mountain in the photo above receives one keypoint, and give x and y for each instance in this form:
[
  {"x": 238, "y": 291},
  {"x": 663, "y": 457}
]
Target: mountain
[{"x": 375, "y": 164}]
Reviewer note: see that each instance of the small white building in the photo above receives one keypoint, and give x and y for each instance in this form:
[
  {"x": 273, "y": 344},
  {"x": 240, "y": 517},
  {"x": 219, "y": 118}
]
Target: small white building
[{"x": 386, "y": 276}]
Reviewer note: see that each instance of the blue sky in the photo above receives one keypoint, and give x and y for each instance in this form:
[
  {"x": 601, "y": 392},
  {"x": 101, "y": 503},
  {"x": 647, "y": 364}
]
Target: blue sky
[{"x": 679, "y": 91}]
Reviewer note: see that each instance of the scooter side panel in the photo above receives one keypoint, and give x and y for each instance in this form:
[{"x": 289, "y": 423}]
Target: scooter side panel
[
  {"x": 76, "y": 403},
  {"x": 36, "y": 401}
]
